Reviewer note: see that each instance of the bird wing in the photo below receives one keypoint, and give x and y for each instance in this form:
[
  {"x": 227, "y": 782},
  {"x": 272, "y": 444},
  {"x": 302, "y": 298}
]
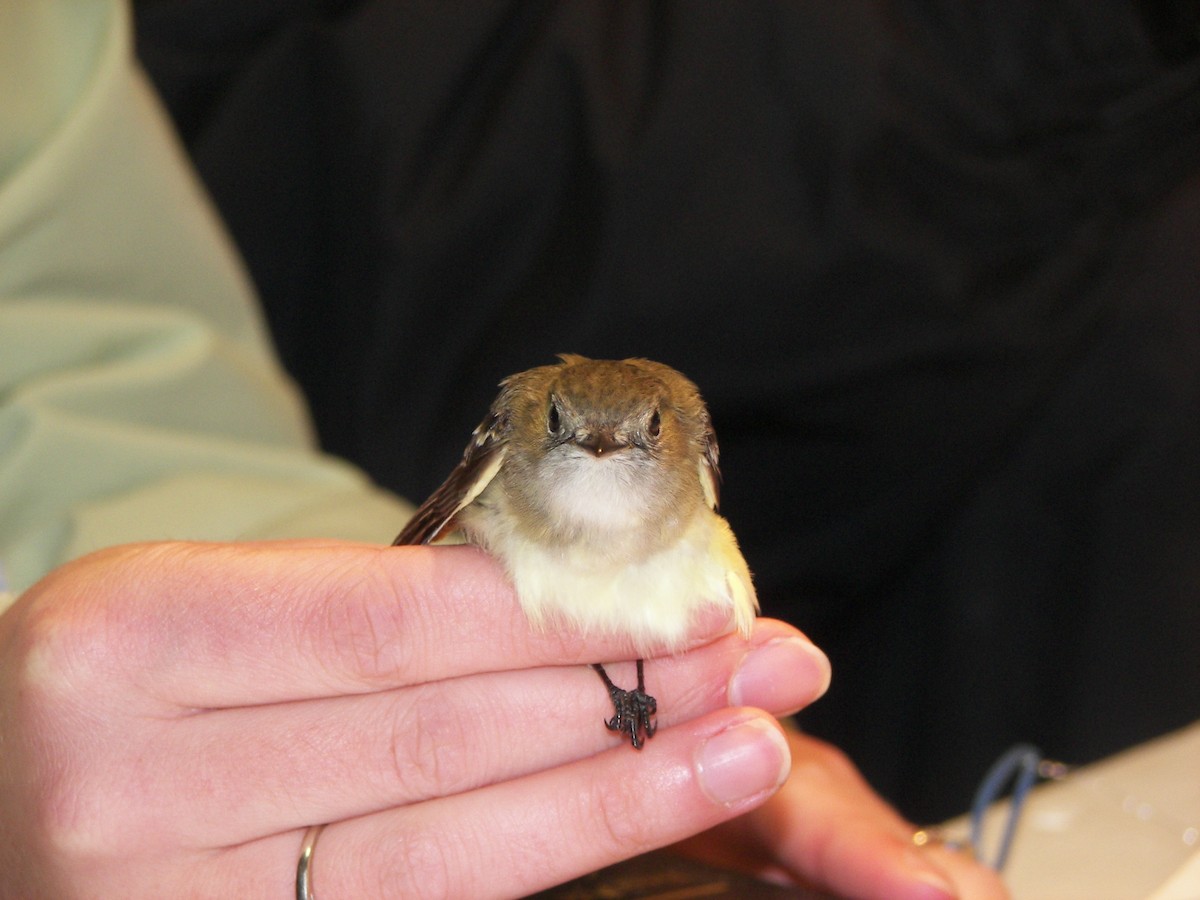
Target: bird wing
[
  {"x": 710, "y": 470},
  {"x": 479, "y": 465}
]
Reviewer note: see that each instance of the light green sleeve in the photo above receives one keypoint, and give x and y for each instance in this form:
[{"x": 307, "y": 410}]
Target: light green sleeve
[{"x": 139, "y": 396}]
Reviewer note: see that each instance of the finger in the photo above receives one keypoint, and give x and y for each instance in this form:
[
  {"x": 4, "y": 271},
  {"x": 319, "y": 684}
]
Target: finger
[
  {"x": 230, "y": 775},
  {"x": 858, "y": 859},
  {"x": 826, "y": 826},
  {"x": 971, "y": 880},
  {"x": 516, "y": 837},
  {"x": 503, "y": 840},
  {"x": 218, "y": 625}
]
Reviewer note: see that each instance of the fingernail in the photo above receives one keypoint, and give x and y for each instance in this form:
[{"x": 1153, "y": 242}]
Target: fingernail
[
  {"x": 782, "y": 676},
  {"x": 742, "y": 762}
]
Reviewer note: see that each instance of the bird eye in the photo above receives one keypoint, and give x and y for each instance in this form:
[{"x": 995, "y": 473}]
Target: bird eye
[
  {"x": 553, "y": 418},
  {"x": 655, "y": 426}
]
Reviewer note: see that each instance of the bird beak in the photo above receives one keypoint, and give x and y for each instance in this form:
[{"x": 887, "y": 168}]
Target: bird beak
[{"x": 600, "y": 442}]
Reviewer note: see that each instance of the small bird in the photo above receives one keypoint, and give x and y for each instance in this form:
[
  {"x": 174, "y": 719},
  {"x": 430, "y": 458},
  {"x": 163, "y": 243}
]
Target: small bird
[{"x": 595, "y": 483}]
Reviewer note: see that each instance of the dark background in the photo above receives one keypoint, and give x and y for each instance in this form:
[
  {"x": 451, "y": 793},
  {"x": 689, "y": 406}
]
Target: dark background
[{"x": 934, "y": 266}]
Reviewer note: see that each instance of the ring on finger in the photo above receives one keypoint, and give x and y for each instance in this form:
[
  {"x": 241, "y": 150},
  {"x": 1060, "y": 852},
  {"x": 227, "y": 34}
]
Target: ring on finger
[
  {"x": 304, "y": 868},
  {"x": 934, "y": 837}
]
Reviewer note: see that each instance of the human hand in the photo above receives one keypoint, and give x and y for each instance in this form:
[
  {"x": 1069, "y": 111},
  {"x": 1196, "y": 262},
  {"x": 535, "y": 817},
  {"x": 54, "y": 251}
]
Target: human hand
[
  {"x": 827, "y": 828},
  {"x": 175, "y": 715}
]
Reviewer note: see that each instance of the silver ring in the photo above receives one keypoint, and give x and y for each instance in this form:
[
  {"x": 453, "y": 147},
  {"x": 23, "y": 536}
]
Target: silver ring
[{"x": 304, "y": 890}]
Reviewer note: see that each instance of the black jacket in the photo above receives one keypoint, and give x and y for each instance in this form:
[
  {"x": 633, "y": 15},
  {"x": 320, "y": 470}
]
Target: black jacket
[{"x": 934, "y": 267}]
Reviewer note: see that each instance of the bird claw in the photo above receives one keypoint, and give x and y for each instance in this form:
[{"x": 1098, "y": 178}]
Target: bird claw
[
  {"x": 634, "y": 715},
  {"x": 634, "y": 712}
]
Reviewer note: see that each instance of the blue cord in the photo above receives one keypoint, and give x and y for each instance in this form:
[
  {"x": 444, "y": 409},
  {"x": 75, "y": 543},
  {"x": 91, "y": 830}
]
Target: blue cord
[{"x": 1020, "y": 765}]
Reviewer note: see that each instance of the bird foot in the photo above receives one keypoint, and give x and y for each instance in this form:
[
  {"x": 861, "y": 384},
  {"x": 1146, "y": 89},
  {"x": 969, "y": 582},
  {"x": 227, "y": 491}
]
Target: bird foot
[{"x": 634, "y": 712}]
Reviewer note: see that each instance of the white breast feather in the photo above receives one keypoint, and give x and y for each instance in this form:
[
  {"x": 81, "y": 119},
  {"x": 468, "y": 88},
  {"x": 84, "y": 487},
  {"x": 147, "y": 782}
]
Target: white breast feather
[
  {"x": 608, "y": 582},
  {"x": 653, "y": 601},
  {"x": 601, "y": 494}
]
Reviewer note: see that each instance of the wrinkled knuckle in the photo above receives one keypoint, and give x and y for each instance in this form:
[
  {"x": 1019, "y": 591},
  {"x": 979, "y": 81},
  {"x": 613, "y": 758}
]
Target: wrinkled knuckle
[
  {"x": 71, "y": 819},
  {"x": 60, "y": 646},
  {"x": 77, "y": 632},
  {"x": 420, "y": 864},
  {"x": 45, "y": 658},
  {"x": 69, "y": 644},
  {"x": 356, "y": 633},
  {"x": 44, "y": 664},
  {"x": 620, "y": 818},
  {"x": 431, "y": 749},
  {"x": 67, "y": 826}
]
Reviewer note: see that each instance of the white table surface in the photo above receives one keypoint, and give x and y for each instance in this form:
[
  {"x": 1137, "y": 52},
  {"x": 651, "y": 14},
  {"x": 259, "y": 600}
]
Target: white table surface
[{"x": 1125, "y": 828}]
